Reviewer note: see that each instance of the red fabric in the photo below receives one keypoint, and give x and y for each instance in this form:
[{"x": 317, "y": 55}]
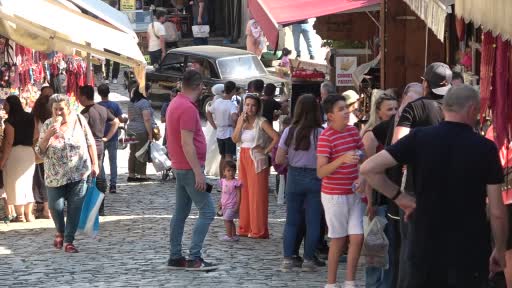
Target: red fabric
[
  {"x": 500, "y": 103},
  {"x": 333, "y": 144},
  {"x": 486, "y": 71},
  {"x": 460, "y": 26},
  {"x": 505, "y": 152},
  {"x": 184, "y": 116},
  {"x": 271, "y": 13}
]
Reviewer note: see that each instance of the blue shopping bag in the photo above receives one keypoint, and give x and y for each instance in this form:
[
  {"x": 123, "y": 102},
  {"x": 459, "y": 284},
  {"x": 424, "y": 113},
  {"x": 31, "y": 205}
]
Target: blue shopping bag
[{"x": 89, "y": 218}]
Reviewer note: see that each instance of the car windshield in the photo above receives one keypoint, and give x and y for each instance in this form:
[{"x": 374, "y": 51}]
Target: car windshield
[{"x": 241, "y": 67}]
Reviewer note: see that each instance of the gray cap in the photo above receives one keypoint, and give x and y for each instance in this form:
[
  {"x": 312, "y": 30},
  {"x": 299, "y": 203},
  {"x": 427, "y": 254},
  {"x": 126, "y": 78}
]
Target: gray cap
[{"x": 439, "y": 76}]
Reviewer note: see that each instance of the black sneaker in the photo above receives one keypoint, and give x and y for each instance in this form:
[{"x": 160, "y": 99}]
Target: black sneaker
[
  {"x": 112, "y": 189},
  {"x": 318, "y": 262},
  {"x": 200, "y": 265},
  {"x": 177, "y": 264}
]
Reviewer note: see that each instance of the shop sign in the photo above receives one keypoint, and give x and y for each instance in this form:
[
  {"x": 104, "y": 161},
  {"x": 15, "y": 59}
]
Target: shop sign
[
  {"x": 345, "y": 66},
  {"x": 127, "y": 5}
]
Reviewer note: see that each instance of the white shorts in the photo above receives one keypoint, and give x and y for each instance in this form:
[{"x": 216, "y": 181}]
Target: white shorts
[{"x": 343, "y": 214}]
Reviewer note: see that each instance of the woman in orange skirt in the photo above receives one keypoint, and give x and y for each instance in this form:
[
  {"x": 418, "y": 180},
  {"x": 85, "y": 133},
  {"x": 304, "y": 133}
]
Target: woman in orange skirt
[{"x": 257, "y": 138}]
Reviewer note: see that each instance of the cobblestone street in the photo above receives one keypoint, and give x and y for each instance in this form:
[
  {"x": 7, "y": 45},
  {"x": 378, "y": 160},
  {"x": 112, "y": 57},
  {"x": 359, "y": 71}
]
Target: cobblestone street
[{"x": 133, "y": 245}]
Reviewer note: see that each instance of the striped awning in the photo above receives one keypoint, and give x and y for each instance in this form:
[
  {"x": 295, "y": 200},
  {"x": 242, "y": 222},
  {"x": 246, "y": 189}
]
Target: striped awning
[{"x": 433, "y": 12}]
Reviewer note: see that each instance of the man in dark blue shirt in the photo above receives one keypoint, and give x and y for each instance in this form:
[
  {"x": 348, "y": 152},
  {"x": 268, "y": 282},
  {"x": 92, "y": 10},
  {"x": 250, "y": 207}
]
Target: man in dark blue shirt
[{"x": 111, "y": 144}]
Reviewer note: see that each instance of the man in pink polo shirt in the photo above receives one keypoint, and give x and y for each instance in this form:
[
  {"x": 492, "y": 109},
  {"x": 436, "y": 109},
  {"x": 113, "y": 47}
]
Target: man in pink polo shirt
[{"x": 187, "y": 148}]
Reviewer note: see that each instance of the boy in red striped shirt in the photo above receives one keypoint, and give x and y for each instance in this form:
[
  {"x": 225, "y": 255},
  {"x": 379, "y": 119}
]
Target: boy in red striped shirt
[{"x": 338, "y": 167}]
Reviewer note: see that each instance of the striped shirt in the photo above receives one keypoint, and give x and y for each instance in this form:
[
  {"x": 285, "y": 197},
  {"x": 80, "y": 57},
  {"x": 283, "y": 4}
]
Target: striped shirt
[{"x": 332, "y": 144}]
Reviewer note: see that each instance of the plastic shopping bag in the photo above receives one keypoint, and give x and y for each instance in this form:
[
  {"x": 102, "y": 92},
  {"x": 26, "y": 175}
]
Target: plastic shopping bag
[
  {"x": 375, "y": 245},
  {"x": 280, "y": 192},
  {"x": 159, "y": 157},
  {"x": 201, "y": 31},
  {"x": 143, "y": 155},
  {"x": 89, "y": 219}
]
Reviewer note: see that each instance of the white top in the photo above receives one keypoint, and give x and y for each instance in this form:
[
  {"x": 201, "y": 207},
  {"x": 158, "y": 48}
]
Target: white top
[
  {"x": 248, "y": 138},
  {"x": 153, "y": 41},
  {"x": 222, "y": 111}
]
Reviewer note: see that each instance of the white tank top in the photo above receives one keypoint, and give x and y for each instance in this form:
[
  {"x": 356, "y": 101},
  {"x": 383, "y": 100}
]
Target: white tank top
[{"x": 248, "y": 138}]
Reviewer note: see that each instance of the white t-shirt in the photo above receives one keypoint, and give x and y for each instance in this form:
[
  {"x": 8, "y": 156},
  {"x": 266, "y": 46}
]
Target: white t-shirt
[
  {"x": 222, "y": 110},
  {"x": 153, "y": 42}
]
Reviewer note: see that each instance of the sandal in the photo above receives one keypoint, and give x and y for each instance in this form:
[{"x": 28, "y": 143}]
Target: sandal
[
  {"x": 59, "y": 241},
  {"x": 70, "y": 248},
  {"x": 18, "y": 219}
]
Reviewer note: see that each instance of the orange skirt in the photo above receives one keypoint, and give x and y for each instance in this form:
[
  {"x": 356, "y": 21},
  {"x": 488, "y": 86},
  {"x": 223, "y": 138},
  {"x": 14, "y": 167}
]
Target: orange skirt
[{"x": 254, "y": 198}]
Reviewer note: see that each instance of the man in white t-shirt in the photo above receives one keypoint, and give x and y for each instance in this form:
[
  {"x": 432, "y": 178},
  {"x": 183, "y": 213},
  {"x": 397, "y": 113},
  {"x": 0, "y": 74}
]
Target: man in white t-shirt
[
  {"x": 156, "y": 38},
  {"x": 222, "y": 115}
]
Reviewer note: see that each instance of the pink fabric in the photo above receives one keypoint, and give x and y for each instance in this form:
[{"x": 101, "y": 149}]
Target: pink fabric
[
  {"x": 229, "y": 198},
  {"x": 183, "y": 115}
]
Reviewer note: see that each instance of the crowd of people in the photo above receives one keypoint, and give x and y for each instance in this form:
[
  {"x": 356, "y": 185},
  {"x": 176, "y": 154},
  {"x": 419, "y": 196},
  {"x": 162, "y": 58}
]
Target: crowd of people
[
  {"x": 417, "y": 161},
  {"x": 405, "y": 163}
]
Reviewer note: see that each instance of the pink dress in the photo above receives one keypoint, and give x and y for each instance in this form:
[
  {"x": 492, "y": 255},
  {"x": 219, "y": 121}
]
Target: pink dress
[{"x": 229, "y": 198}]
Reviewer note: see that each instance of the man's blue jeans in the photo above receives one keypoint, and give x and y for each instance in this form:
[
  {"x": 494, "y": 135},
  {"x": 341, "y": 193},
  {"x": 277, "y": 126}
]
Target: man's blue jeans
[
  {"x": 74, "y": 194},
  {"x": 111, "y": 148},
  {"x": 302, "y": 191},
  {"x": 186, "y": 194},
  {"x": 306, "y": 31}
]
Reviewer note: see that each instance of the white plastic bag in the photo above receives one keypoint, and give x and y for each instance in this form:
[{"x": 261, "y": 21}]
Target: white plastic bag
[
  {"x": 142, "y": 155},
  {"x": 375, "y": 245},
  {"x": 159, "y": 157},
  {"x": 280, "y": 193},
  {"x": 201, "y": 31}
]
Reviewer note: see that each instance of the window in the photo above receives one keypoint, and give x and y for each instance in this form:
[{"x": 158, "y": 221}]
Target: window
[
  {"x": 173, "y": 63},
  {"x": 213, "y": 71},
  {"x": 241, "y": 67}
]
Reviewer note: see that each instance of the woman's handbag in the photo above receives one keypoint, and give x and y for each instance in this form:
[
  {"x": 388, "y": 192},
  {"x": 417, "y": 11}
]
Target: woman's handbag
[
  {"x": 156, "y": 133},
  {"x": 144, "y": 153}
]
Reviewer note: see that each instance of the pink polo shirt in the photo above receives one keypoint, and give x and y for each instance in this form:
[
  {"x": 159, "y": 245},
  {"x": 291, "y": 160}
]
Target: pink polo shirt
[{"x": 182, "y": 114}]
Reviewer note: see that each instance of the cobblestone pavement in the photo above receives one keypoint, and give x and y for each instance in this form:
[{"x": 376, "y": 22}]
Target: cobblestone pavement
[{"x": 133, "y": 246}]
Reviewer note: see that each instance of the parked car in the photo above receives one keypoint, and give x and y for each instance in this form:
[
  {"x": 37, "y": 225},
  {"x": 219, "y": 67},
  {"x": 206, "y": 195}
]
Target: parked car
[{"x": 219, "y": 64}]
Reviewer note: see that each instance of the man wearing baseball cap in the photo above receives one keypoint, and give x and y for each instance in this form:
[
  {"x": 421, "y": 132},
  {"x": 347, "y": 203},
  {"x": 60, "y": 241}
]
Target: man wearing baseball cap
[{"x": 423, "y": 112}]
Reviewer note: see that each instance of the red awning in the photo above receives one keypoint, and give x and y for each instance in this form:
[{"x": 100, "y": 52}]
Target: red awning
[{"x": 272, "y": 13}]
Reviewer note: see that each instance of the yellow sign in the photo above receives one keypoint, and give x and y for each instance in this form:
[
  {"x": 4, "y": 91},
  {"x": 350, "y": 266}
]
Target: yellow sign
[{"x": 127, "y": 5}]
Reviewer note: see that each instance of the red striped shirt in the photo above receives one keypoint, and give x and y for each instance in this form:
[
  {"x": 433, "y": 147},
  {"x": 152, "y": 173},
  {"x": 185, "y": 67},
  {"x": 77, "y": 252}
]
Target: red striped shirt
[{"x": 332, "y": 144}]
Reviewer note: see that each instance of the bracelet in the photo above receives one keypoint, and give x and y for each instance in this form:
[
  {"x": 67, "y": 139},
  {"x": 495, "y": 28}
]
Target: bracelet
[{"x": 398, "y": 192}]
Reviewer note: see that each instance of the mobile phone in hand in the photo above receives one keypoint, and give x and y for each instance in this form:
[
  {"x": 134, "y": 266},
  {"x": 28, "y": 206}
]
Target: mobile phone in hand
[{"x": 209, "y": 188}]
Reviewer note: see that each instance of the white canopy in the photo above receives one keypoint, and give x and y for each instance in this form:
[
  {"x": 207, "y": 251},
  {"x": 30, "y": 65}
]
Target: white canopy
[
  {"x": 107, "y": 13},
  {"x": 48, "y": 25},
  {"x": 493, "y": 16}
]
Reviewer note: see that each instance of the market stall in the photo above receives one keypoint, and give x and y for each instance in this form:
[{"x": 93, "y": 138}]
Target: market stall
[{"x": 101, "y": 32}]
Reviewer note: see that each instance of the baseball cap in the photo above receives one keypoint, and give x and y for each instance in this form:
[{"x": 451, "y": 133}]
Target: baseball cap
[{"x": 439, "y": 76}]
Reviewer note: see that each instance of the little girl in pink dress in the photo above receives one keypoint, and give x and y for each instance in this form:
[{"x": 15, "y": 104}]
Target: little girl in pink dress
[{"x": 230, "y": 200}]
